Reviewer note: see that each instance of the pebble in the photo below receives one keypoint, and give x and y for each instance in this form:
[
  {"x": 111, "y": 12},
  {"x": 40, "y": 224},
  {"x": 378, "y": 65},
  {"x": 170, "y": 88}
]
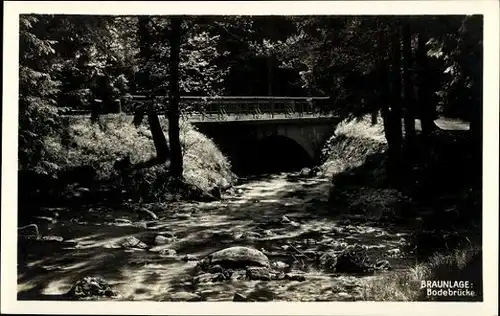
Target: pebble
[
  {"x": 239, "y": 298},
  {"x": 285, "y": 219},
  {"x": 394, "y": 251},
  {"x": 168, "y": 252},
  {"x": 279, "y": 265},
  {"x": 185, "y": 296},
  {"x": 162, "y": 240},
  {"x": 52, "y": 238},
  {"x": 295, "y": 277},
  {"x": 258, "y": 273},
  {"x": 189, "y": 258},
  {"x": 141, "y": 225},
  {"x": 123, "y": 221}
]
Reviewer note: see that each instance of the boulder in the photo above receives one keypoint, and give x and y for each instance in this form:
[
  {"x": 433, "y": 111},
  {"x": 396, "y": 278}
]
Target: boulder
[
  {"x": 132, "y": 242},
  {"x": 261, "y": 295},
  {"x": 382, "y": 265},
  {"x": 162, "y": 240},
  {"x": 295, "y": 277},
  {"x": 239, "y": 298},
  {"x": 238, "y": 275},
  {"x": 239, "y": 257},
  {"x": 258, "y": 273},
  {"x": 279, "y": 265},
  {"x": 314, "y": 171},
  {"x": 89, "y": 288},
  {"x": 353, "y": 260},
  {"x": 216, "y": 193},
  {"x": 122, "y": 221},
  {"x": 204, "y": 278},
  {"x": 189, "y": 258},
  {"x": 216, "y": 269},
  {"x": 168, "y": 252},
  {"x": 328, "y": 261},
  {"x": 185, "y": 297},
  {"x": 29, "y": 230},
  {"x": 250, "y": 235},
  {"x": 140, "y": 225},
  {"x": 305, "y": 172},
  {"x": 224, "y": 276},
  {"x": 213, "y": 277},
  {"x": 53, "y": 238},
  {"x": 285, "y": 219},
  {"x": 144, "y": 213}
]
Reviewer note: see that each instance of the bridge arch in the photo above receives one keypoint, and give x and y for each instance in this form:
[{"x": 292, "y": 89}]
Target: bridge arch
[
  {"x": 278, "y": 152},
  {"x": 292, "y": 134}
]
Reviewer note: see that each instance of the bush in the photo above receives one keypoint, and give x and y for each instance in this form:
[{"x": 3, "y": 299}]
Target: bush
[
  {"x": 100, "y": 145},
  {"x": 460, "y": 265},
  {"x": 353, "y": 142},
  {"x": 355, "y": 155}
]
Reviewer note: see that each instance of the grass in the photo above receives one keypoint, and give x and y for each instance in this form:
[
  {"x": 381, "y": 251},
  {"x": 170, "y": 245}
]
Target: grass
[
  {"x": 459, "y": 265},
  {"x": 355, "y": 158},
  {"x": 353, "y": 142},
  {"x": 100, "y": 145}
]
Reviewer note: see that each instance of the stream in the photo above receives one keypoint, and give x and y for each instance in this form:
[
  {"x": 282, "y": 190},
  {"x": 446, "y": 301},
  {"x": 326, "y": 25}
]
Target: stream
[{"x": 287, "y": 218}]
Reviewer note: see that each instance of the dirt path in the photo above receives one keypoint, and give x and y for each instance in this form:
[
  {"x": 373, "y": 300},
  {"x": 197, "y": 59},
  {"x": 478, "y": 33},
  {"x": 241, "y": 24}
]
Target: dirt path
[{"x": 252, "y": 216}]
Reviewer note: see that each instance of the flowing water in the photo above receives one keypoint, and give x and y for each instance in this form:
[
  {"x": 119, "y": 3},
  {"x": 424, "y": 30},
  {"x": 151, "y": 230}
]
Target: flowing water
[{"x": 287, "y": 218}]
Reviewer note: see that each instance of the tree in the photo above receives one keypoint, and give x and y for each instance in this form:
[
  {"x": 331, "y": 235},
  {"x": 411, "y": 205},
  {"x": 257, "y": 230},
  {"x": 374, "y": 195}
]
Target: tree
[
  {"x": 38, "y": 91},
  {"x": 409, "y": 102},
  {"x": 96, "y": 58},
  {"x": 146, "y": 39},
  {"x": 425, "y": 104},
  {"x": 390, "y": 89},
  {"x": 176, "y": 164}
]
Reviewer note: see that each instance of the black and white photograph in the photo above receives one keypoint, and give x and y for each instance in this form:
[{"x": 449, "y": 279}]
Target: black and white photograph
[{"x": 250, "y": 157}]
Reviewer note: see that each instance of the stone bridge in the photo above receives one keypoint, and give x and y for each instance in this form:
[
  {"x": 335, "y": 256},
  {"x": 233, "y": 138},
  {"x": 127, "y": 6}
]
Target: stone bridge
[
  {"x": 270, "y": 145},
  {"x": 263, "y": 134}
]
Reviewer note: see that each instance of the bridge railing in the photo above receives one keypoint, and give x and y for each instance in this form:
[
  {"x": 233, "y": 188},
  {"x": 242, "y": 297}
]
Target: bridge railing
[{"x": 238, "y": 107}]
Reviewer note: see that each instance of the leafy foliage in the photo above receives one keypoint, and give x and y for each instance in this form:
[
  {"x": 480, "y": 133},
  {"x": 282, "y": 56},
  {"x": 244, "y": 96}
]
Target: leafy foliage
[
  {"x": 100, "y": 146},
  {"x": 37, "y": 94}
]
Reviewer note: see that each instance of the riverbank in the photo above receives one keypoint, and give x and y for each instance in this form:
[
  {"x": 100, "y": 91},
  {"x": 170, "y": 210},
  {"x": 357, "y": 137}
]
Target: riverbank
[
  {"x": 443, "y": 211},
  {"x": 79, "y": 165}
]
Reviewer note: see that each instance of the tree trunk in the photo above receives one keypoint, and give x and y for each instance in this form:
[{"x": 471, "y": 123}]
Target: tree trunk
[
  {"x": 270, "y": 75},
  {"x": 476, "y": 118},
  {"x": 427, "y": 109},
  {"x": 162, "y": 150},
  {"x": 396, "y": 84},
  {"x": 160, "y": 142},
  {"x": 145, "y": 41},
  {"x": 161, "y": 146},
  {"x": 375, "y": 117},
  {"x": 395, "y": 111},
  {"x": 393, "y": 115},
  {"x": 173, "y": 113},
  {"x": 409, "y": 115},
  {"x": 389, "y": 106}
]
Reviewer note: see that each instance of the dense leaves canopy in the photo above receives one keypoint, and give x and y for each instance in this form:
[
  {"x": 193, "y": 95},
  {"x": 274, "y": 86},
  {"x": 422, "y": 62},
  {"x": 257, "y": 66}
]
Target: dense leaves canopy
[{"x": 68, "y": 61}]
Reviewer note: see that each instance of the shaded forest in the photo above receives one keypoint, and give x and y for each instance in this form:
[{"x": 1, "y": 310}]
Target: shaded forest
[{"x": 401, "y": 73}]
